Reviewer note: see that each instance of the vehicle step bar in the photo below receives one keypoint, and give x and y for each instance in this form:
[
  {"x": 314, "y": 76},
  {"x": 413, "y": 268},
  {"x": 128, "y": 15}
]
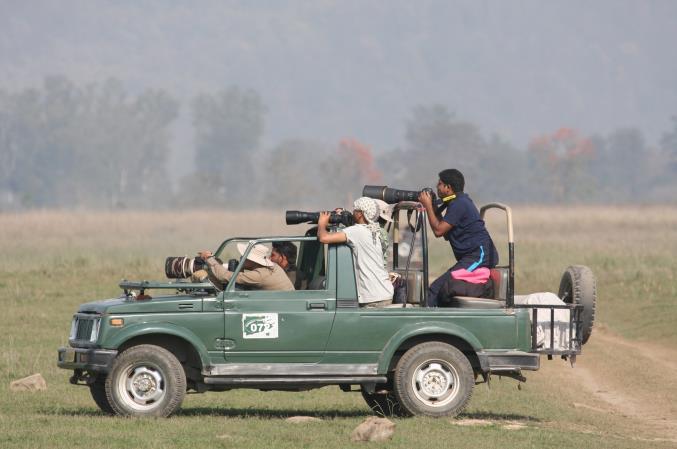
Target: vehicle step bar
[{"x": 288, "y": 380}]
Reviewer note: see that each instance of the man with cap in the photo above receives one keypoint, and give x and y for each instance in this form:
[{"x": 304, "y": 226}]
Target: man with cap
[
  {"x": 374, "y": 288},
  {"x": 258, "y": 271},
  {"x": 459, "y": 222}
]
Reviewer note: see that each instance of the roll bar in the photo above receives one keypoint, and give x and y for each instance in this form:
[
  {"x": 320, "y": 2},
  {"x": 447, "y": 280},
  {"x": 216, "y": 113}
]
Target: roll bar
[{"x": 510, "y": 300}]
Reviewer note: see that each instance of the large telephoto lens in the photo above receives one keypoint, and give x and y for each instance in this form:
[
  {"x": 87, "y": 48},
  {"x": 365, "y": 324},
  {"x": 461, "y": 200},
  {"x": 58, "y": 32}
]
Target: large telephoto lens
[
  {"x": 178, "y": 267},
  {"x": 390, "y": 196},
  {"x": 295, "y": 217}
]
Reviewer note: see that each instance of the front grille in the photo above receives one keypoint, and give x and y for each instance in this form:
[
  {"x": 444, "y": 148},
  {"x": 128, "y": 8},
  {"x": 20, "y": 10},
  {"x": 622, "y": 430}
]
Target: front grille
[{"x": 85, "y": 328}]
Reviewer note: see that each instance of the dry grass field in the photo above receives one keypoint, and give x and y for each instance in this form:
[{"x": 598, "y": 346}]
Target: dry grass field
[{"x": 619, "y": 395}]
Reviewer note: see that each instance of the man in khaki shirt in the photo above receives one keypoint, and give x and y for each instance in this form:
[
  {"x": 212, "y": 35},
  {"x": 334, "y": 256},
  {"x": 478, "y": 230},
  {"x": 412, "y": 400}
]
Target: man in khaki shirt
[{"x": 259, "y": 271}]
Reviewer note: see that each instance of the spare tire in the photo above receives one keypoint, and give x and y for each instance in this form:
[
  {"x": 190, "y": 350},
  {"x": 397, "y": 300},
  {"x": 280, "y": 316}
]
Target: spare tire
[{"x": 578, "y": 286}]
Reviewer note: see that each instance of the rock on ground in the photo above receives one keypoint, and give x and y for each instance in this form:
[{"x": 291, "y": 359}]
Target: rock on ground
[
  {"x": 302, "y": 419},
  {"x": 34, "y": 382},
  {"x": 374, "y": 429}
]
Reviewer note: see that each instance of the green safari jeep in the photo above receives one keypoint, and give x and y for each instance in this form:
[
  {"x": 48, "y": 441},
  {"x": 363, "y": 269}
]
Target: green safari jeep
[{"x": 139, "y": 354}]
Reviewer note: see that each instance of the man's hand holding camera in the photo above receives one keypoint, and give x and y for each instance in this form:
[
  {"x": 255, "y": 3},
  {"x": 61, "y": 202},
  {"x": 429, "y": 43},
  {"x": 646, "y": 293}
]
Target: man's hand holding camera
[
  {"x": 205, "y": 254},
  {"x": 323, "y": 221},
  {"x": 425, "y": 198}
]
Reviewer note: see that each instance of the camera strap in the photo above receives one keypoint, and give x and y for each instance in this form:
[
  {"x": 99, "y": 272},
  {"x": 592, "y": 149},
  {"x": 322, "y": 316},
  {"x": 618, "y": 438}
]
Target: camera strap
[{"x": 414, "y": 230}]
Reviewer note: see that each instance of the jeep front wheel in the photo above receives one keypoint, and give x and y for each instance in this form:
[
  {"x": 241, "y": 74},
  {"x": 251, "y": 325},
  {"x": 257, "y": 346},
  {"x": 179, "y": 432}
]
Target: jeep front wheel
[
  {"x": 98, "y": 391},
  {"x": 433, "y": 379},
  {"x": 146, "y": 380}
]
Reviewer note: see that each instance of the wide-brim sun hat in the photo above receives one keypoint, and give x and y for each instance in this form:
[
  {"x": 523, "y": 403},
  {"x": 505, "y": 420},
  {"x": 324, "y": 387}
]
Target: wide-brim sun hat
[
  {"x": 259, "y": 254},
  {"x": 385, "y": 210}
]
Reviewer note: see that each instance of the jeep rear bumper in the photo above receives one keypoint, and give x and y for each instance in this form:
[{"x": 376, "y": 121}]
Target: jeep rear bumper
[
  {"x": 86, "y": 359},
  {"x": 498, "y": 362}
]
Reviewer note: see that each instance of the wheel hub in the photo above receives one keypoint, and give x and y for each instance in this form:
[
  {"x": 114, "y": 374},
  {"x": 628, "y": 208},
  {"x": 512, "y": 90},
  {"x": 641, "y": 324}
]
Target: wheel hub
[
  {"x": 145, "y": 385},
  {"x": 435, "y": 383},
  {"x": 434, "y": 380}
]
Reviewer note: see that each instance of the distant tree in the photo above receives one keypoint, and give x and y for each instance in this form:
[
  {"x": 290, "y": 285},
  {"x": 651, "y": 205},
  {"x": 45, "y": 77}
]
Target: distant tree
[
  {"x": 66, "y": 145},
  {"x": 228, "y": 130},
  {"x": 669, "y": 146},
  {"x": 626, "y": 158},
  {"x": 503, "y": 174},
  {"x": 560, "y": 165},
  {"x": 436, "y": 140},
  {"x": 348, "y": 169},
  {"x": 293, "y": 176}
]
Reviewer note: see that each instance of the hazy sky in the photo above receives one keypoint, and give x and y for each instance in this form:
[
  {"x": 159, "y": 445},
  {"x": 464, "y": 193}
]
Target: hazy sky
[{"x": 330, "y": 69}]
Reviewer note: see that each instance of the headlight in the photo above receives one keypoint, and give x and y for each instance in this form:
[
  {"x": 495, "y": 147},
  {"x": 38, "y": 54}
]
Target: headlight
[
  {"x": 95, "y": 330},
  {"x": 74, "y": 329}
]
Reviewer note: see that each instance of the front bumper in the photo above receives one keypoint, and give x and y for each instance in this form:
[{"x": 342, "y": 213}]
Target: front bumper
[{"x": 86, "y": 359}]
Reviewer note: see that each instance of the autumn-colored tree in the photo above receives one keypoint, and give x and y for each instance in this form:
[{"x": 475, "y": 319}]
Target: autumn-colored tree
[
  {"x": 563, "y": 158},
  {"x": 349, "y": 169}
]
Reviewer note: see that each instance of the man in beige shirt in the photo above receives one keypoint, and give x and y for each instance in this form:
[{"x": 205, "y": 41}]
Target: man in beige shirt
[{"x": 258, "y": 271}]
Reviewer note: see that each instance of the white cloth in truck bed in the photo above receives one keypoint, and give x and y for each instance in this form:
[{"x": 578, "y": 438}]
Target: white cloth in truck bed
[{"x": 561, "y": 324}]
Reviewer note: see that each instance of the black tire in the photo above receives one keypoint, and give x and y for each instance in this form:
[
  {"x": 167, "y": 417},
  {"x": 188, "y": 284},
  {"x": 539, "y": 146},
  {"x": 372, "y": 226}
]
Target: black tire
[
  {"x": 433, "y": 379},
  {"x": 146, "y": 380},
  {"x": 578, "y": 286},
  {"x": 98, "y": 392},
  {"x": 384, "y": 403}
]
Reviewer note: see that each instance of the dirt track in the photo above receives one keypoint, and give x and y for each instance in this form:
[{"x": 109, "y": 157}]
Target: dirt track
[{"x": 631, "y": 382}]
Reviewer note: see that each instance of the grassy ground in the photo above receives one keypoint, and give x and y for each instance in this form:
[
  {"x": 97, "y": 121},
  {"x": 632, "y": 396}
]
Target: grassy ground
[{"x": 54, "y": 261}]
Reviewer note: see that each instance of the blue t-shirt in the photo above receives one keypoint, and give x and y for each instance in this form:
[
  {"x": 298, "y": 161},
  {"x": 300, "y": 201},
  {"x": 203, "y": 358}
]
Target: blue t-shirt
[{"x": 468, "y": 231}]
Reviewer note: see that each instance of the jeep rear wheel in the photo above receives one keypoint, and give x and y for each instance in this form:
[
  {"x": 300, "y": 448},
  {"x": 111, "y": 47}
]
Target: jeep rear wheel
[
  {"x": 578, "y": 286},
  {"x": 146, "y": 380},
  {"x": 433, "y": 379}
]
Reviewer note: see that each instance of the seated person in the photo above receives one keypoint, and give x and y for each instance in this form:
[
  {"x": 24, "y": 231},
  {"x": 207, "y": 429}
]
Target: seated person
[
  {"x": 374, "y": 288},
  {"x": 284, "y": 254},
  {"x": 259, "y": 271}
]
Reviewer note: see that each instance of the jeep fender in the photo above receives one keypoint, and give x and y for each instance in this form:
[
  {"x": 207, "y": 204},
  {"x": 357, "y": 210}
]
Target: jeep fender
[
  {"x": 163, "y": 328},
  {"x": 416, "y": 330}
]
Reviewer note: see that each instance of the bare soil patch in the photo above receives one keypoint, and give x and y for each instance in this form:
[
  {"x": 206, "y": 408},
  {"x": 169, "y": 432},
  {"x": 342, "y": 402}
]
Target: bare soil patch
[{"x": 632, "y": 380}]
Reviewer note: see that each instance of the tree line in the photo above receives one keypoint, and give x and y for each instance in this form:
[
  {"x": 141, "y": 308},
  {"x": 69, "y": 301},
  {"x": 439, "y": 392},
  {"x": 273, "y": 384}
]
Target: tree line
[{"x": 101, "y": 146}]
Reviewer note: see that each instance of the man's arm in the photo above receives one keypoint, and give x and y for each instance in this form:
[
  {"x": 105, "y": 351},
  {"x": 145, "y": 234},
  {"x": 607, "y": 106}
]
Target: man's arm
[
  {"x": 218, "y": 270},
  {"x": 325, "y": 236},
  {"x": 438, "y": 226}
]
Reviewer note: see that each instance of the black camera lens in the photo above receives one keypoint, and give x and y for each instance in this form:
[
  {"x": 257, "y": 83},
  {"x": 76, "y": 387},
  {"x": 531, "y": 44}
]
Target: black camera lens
[
  {"x": 392, "y": 196},
  {"x": 295, "y": 217}
]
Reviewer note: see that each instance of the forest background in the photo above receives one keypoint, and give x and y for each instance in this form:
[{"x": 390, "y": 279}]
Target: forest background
[{"x": 153, "y": 105}]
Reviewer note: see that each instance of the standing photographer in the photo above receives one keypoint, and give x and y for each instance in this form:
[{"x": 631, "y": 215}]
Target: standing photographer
[
  {"x": 374, "y": 288},
  {"x": 462, "y": 226}
]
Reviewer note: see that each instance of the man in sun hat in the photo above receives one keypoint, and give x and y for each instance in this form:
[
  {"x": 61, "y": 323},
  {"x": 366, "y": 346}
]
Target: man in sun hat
[
  {"x": 374, "y": 288},
  {"x": 258, "y": 271}
]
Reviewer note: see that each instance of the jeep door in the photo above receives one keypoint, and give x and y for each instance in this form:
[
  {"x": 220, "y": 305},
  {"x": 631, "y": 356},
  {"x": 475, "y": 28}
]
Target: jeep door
[{"x": 281, "y": 326}]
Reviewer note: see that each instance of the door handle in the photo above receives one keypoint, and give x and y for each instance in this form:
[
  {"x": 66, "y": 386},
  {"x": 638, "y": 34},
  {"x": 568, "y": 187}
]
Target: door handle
[
  {"x": 242, "y": 295},
  {"x": 317, "y": 305}
]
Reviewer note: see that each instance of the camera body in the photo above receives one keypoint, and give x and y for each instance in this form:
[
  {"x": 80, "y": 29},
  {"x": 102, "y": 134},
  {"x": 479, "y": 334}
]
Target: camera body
[
  {"x": 295, "y": 217},
  {"x": 392, "y": 196}
]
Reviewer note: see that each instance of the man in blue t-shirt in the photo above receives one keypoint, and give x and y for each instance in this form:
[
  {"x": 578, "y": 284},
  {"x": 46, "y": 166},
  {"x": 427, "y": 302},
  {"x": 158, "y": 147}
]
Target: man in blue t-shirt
[{"x": 458, "y": 220}]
